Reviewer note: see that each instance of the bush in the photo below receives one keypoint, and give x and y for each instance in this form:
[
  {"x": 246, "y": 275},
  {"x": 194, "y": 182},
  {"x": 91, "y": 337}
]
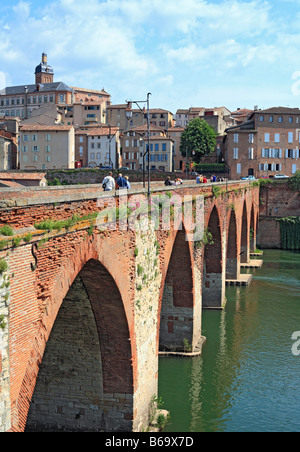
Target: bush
[
  {"x": 7, "y": 231},
  {"x": 3, "y": 266}
]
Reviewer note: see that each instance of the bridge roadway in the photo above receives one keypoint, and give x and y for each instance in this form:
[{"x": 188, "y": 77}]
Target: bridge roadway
[{"x": 85, "y": 311}]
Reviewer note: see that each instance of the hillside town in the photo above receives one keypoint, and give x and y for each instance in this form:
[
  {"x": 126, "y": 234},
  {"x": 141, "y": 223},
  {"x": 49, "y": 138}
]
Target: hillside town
[{"x": 49, "y": 125}]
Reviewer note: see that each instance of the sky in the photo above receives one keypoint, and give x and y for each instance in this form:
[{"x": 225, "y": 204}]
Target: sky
[{"x": 186, "y": 53}]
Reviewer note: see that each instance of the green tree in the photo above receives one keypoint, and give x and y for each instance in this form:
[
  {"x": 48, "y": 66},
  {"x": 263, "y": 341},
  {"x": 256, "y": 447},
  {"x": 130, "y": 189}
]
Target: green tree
[{"x": 197, "y": 140}]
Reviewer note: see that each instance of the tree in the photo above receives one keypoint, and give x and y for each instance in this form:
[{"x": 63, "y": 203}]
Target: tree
[{"x": 197, "y": 140}]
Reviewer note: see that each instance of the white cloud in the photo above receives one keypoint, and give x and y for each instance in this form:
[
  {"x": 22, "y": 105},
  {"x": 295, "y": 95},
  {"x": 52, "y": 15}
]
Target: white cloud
[{"x": 132, "y": 47}]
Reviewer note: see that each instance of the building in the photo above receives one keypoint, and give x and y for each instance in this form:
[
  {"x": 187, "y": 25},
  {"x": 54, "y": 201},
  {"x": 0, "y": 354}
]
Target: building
[
  {"x": 89, "y": 107},
  {"x": 46, "y": 147},
  {"x": 161, "y": 154},
  {"x": 135, "y": 146},
  {"x": 102, "y": 147},
  {"x": 218, "y": 118},
  {"x": 9, "y": 129},
  {"x": 80, "y": 106},
  {"x": 5, "y": 153},
  {"x": 178, "y": 160},
  {"x": 125, "y": 117},
  {"x": 265, "y": 145},
  {"x": 19, "y": 180}
]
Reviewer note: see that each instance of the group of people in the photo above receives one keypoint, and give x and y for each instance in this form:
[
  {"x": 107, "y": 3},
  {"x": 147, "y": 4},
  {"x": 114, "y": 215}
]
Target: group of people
[
  {"x": 122, "y": 182},
  {"x": 203, "y": 179},
  {"x": 109, "y": 183},
  {"x": 175, "y": 182}
]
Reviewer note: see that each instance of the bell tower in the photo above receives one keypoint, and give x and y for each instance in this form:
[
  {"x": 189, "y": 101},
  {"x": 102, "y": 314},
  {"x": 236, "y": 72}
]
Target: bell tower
[{"x": 43, "y": 72}]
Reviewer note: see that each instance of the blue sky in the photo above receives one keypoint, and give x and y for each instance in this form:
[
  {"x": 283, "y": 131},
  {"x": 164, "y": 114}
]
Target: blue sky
[{"x": 200, "y": 53}]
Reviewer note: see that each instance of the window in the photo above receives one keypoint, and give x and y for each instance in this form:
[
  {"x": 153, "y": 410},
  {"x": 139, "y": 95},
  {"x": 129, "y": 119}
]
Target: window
[
  {"x": 34, "y": 137},
  {"x": 290, "y": 119},
  {"x": 235, "y": 153},
  {"x": 25, "y": 137},
  {"x": 156, "y": 147},
  {"x": 25, "y": 148},
  {"x": 48, "y": 149},
  {"x": 98, "y": 155},
  {"x": 277, "y": 138},
  {"x": 239, "y": 168},
  {"x": 280, "y": 119},
  {"x": 48, "y": 137},
  {"x": 35, "y": 158},
  {"x": 277, "y": 153},
  {"x": 81, "y": 151},
  {"x": 236, "y": 138},
  {"x": 164, "y": 146},
  {"x": 290, "y": 153},
  {"x": 267, "y": 137},
  {"x": 251, "y": 153},
  {"x": 291, "y": 137},
  {"x": 294, "y": 168},
  {"x": 48, "y": 158},
  {"x": 35, "y": 149},
  {"x": 251, "y": 138},
  {"x": 266, "y": 153},
  {"x": 92, "y": 155},
  {"x": 261, "y": 118},
  {"x": 271, "y": 118}
]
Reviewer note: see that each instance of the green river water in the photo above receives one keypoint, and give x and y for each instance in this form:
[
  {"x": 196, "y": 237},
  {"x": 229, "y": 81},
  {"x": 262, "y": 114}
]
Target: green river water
[{"x": 247, "y": 378}]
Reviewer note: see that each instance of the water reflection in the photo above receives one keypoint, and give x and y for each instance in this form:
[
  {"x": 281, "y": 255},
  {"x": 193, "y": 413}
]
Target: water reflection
[{"x": 247, "y": 378}]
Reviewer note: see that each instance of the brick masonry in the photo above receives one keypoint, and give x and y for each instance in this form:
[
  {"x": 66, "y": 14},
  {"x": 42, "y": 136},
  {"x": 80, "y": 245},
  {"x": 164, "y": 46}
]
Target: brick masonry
[
  {"x": 131, "y": 280},
  {"x": 277, "y": 200}
]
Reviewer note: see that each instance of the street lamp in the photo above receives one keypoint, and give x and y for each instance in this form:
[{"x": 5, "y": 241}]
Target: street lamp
[{"x": 129, "y": 115}]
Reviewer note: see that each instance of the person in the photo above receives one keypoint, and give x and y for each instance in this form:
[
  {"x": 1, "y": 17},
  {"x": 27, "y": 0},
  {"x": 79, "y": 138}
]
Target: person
[
  {"x": 121, "y": 181},
  {"x": 204, "y": 180},
  {"x": 178, "y": 181},
  {"x": 199, "y": 179},
  {"x": 128, "y": 183},
  {"x": 109, "y": 183},
  {"x": 168, "y": 181}
]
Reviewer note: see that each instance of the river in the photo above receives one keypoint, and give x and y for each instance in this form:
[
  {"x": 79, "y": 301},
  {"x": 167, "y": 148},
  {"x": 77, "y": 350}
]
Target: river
[{"x": 247, "y": 378}]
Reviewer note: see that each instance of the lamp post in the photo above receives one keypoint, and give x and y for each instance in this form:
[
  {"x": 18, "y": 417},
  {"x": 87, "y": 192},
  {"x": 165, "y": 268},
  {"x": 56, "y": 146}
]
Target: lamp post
[{"x": 129, "y": 115}]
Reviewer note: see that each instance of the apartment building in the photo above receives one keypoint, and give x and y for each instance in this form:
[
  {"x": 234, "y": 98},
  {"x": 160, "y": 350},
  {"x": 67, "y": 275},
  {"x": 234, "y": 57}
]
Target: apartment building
[
  {"x": 126, "y": 117},
  {"x": 103, "y": 147},
  {"x": 161, "y": 154},
  {"x": 46, "y": 147},
  {"x": 265, "y": 145},
  {"x": 218, "y": 118},
  {"x": 135, "y": 145}
]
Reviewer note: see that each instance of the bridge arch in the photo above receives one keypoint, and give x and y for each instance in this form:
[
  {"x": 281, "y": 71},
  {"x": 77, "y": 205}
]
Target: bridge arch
[
  {"x": 92, "y": 263},
  {"x": 177, "y": 298},
  {"x": 245, "y": 236},
  {"x": 213, "y": 285},
  {"x": 87, "y": 361},
  {"x": 253, "y": 226},
  {"x": 232, "y": 255}
]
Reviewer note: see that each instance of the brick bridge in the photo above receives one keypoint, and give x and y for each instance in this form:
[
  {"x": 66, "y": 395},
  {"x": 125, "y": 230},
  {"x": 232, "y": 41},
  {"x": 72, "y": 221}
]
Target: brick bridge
[{"x": 85, "y": 311}]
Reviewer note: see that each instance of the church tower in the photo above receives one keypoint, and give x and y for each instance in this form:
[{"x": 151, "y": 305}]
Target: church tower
[{"x": 43, "y": 72}]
